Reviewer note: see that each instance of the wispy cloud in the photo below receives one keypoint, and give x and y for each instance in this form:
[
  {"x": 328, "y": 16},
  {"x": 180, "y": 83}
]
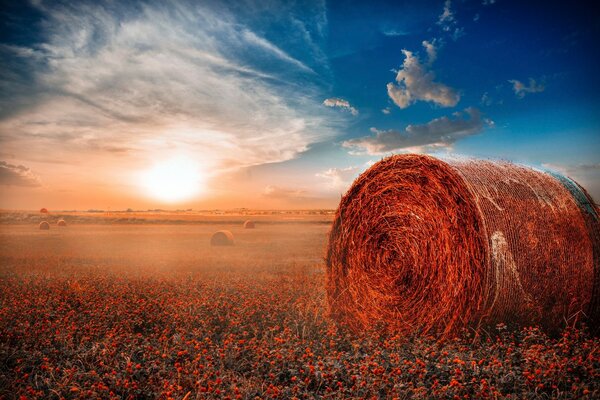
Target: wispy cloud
[
  {"x": 17, "y": 175},
  {"x": 279, "y": 192},
  {"x": 152, "y": 79},
  {"x": 415, "y": 82},
  {"x": 339, "y": 178},
  {"x": 448, "y": 22},
  {"x": 436, "y": 134},
  {"x": 340, "y": 103},
  {"x": 522, "y": 89}
]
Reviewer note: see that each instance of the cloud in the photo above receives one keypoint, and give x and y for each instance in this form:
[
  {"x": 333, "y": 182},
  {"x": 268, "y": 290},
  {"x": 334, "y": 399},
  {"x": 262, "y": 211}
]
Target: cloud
[
  {"x": 339, "y": 178},
  {"x": 586, "y": 174},
  {"x": 386, "y": 110},
  {"x": 151, "y": 79},
  {"x": 431, "y": 49},
  {"x": 341, "y": 103},
  {"x": 278, "y": 192},
  {"x": 449, "y": 24},
  {"x": 521, "y": 89},
  {"x": 447, "y": 16},
  {"x": 488, "y": 2},
  {"x": 17, "y": 175},
  {"x": 438, "y": 133},
  {"x": 416, "y": 83}
]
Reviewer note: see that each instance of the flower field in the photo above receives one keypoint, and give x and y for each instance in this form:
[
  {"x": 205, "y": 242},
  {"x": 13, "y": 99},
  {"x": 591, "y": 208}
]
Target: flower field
[{"x": 154, "y": 312}]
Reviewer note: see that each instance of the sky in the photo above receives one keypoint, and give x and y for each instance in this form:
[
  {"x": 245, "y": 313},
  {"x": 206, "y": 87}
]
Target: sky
[{"x": 268, "y": 104}]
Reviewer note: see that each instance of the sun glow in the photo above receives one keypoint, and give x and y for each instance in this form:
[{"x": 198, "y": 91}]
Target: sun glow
[{"x": 174, "y": 180}]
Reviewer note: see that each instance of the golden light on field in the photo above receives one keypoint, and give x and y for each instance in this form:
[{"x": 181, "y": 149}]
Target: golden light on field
[{"x": 173, "y": 180}]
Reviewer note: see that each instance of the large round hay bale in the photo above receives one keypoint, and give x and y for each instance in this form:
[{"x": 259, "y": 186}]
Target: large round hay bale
[
  {"x": 249, "y": 224},
  {"x": 61, "y": 222},
  {"x": 44, "y": 225},
  {"x": 222, "y": 238},
  {"x": 44, "y": 210},
  {"x": 422, "y": 245}
]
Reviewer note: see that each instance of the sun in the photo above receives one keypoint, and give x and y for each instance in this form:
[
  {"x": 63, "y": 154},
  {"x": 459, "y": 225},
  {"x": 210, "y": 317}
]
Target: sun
[{"x": 174, "y": 180}]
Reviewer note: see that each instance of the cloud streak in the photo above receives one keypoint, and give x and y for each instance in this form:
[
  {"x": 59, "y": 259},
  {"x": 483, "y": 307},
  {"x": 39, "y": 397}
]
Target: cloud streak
[
  {"x": 153, "y": 79},
  {"x": 17, "y": 175},
  {"x": 438, "y": 133}
]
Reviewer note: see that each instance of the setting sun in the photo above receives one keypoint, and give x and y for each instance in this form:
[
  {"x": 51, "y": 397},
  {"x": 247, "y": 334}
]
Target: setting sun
[{"x": 174, "y": 180}]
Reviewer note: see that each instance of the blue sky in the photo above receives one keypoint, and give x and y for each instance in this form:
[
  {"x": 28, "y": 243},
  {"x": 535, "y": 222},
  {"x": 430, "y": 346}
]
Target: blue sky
[{"x": 283, "y": 104}]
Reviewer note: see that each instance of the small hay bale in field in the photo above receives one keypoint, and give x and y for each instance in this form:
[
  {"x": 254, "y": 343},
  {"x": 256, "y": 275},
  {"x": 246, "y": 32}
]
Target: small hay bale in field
[
  {"x": 61, "y": 222},
  {"x": 44, "y": 210},
  {"x": 222, "y": 238},
  {"x": 430, "y": 246},
  {"x": 249, "y": 224},
  {"x": 44, "y": 225}
]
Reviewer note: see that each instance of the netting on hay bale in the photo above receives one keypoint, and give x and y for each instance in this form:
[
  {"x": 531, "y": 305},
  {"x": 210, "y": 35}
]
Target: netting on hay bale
[{"x": 430, "y": 246}]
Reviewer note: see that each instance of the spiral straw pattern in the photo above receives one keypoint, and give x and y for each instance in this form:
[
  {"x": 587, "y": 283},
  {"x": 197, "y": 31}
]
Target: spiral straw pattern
[{"x": 424, "y": 245}]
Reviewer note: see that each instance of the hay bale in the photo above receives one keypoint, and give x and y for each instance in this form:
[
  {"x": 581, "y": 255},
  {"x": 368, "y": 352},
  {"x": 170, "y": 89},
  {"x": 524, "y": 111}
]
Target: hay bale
[
  {"x": 44, "y": 225},
  {"x": 249, "y": 224},
  {"x": 222, "y": 238},
  {"x": 44, "y": 210},
  {"x": 430, "y": 246},
  {"x": 61, "y": 222}
]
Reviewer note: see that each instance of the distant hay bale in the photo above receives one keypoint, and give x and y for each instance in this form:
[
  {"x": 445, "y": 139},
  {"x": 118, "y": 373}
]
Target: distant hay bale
[
  {"x": 423, "y": 245},
  {"x": 249, "y": 225},
  {"x": 222, "y": 238},
  {"x": 61, "y": 222},
  {"x": 44, "y": 225},
  {"x": 44, "y": 210}
]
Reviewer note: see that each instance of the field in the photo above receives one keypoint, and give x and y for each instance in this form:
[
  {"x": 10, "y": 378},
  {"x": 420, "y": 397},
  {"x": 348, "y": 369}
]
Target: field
[{"x": 142, "y": 307}]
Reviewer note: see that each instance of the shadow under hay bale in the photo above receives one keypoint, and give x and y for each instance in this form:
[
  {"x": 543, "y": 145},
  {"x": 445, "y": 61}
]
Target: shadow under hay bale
[
  {"x": 44, "y": 225},
  {"x": 222, "y": 238},
  {"x": 61, "y": 222},
  {"x": 249, "y": 225},
  {"x": 424, "y": 245}
]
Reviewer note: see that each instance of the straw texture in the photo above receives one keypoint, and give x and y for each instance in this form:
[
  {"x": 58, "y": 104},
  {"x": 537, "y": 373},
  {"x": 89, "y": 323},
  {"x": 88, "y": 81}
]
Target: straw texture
[{"x": 423, "y": 245}]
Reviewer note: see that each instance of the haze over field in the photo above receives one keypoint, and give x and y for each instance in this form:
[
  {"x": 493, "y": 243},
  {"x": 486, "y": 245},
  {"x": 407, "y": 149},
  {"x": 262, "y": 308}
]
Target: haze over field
[{"x": 221, "y": 104}]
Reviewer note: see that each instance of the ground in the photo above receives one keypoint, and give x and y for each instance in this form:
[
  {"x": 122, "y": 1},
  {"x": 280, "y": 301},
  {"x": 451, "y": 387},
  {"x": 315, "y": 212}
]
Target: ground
[{"x": 122, "y": 306}]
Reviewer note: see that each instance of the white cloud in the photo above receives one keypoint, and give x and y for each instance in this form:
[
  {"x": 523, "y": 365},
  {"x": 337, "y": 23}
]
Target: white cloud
[
  {"x": 522, "y": 89},
  {"x": 17, "y": 175},
  {"x": 436, "y": 134},
  {"x": 449, "y": 24},
  {"x": 431, "y": 49},
  {"x": 340, "y": 103},
  {"x": 447, "y": 16},
  {"x": 488, "y": 2},
  {"x": 158, "y": 80},
  {"x": 386, "y": 110},
  {"x": 339, "y": 178},
  {"x": 416, "y": 83}
]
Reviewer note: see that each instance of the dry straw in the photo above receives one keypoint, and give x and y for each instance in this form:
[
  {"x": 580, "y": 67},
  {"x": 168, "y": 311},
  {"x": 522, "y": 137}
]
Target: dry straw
[
  {"x": 429, "y": 246},
  {"x": 222, "y": 238}
]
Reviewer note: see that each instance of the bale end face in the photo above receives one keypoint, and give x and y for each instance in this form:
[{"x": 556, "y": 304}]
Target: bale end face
[
  {"x": 249, "y": 224},
  {"x": 61, "y": 222},
  {"x": 44, "y": 225},
  {"x": 44, "y": 211},
  {"x": 222, "y": 238}
]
